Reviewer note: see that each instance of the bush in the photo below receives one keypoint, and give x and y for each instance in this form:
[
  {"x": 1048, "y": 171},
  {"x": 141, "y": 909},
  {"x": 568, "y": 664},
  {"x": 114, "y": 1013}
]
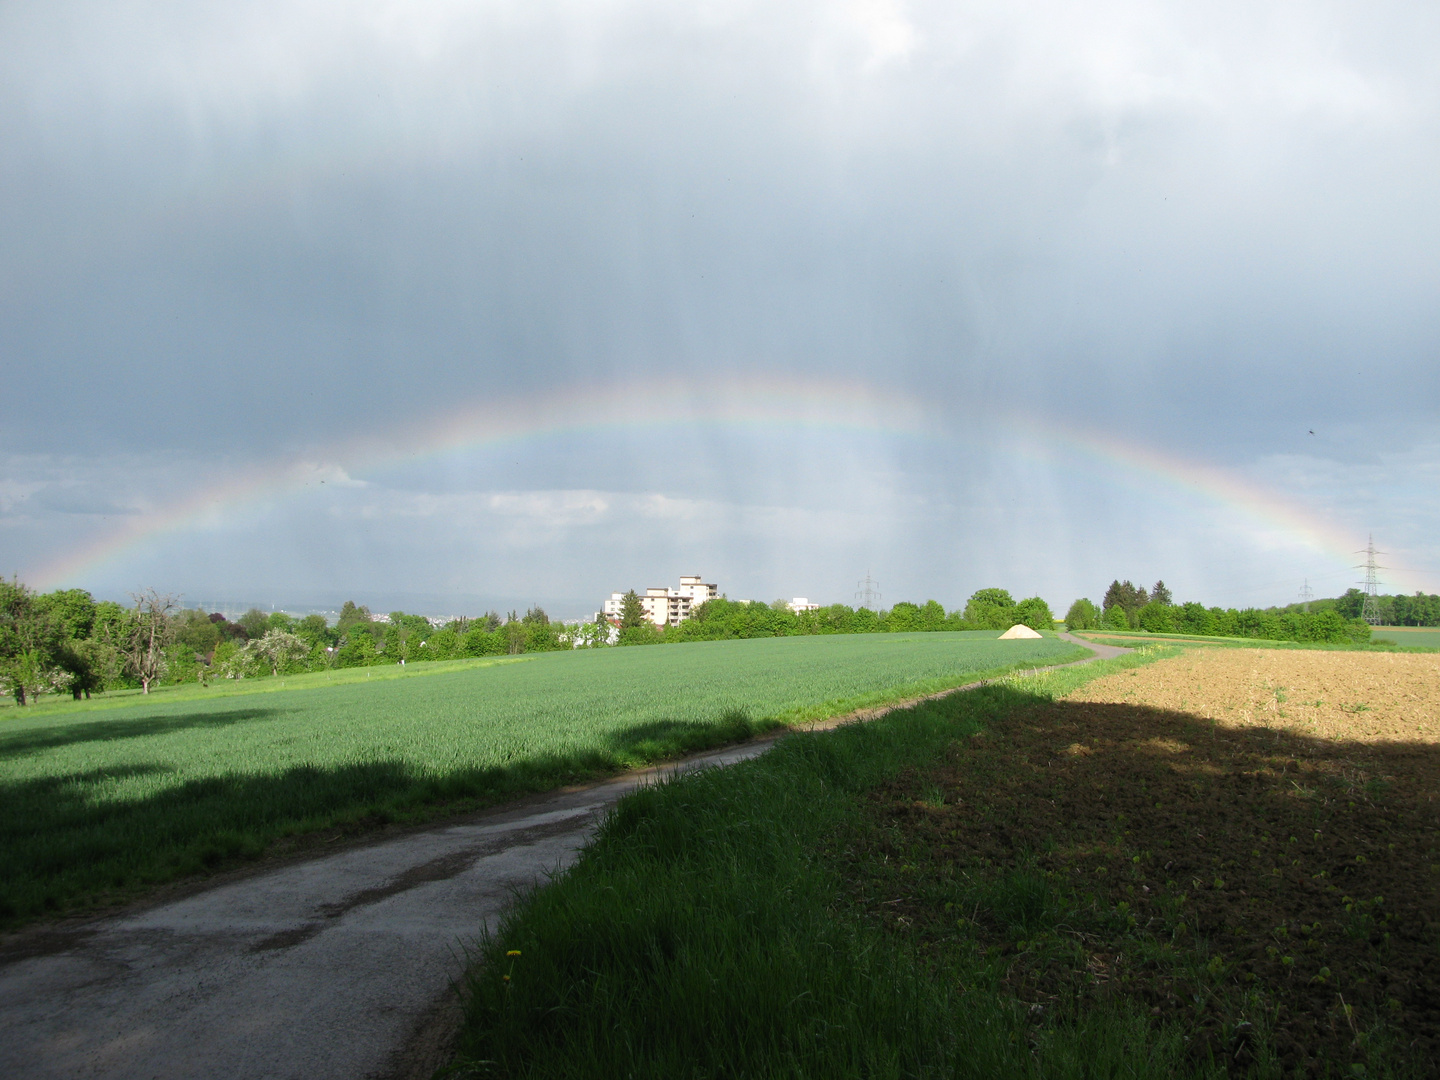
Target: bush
[{"x": 1116, "y": 619}]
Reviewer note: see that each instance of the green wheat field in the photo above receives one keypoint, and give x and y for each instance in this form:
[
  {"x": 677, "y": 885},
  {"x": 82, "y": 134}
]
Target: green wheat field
[{"x": 102, "y": 802}]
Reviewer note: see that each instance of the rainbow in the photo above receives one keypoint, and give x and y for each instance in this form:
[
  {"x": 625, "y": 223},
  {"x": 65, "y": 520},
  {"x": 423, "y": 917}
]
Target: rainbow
[
  {"x": 1271, "y": 509},
  {"x": 757, "y": 401},
  {"x": 1190, "y": 480},
  {"x": 760, "y": 401}
]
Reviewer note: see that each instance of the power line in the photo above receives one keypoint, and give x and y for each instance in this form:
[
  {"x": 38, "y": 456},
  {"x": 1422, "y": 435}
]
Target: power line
[
  {"x": 867, "y": 593},
  {"x": 1306, "y": 595}
]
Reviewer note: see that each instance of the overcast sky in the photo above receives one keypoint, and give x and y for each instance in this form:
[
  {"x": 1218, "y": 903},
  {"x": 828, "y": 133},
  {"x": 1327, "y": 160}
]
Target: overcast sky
[{"x": 1022, "y": 294}]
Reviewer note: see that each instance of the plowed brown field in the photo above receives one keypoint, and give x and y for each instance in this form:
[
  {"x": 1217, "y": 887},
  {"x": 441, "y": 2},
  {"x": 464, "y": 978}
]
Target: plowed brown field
[
  {"x": 1352, "y": 697},
  {"x": 1242, "y": 842}
]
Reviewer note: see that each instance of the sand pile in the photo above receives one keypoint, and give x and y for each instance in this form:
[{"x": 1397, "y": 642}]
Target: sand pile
[{"x": 1018, "y": 631}]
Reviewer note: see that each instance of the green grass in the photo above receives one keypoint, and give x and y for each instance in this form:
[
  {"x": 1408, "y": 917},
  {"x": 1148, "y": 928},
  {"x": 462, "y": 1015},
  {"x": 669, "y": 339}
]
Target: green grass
[
  {"x": 111, "y": 800},
  {"x": 1424, "y": 637},
  {"x": 1382, "y": 641},
  {"x": 707, "y": 932}
]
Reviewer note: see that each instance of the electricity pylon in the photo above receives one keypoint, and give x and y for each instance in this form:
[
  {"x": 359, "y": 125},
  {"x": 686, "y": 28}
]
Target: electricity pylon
[
  {"x": 1306, "y": 595},
  {"x": 1371, "y": 611},
  {"x": 867, "y": 593}
]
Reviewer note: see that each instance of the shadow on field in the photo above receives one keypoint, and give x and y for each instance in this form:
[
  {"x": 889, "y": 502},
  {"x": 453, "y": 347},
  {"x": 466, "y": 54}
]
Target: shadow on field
[
  {"x": 65, "y": 836},
  {"x": 103, "y": 729},
  {"x": 1128, "y": 852},
  {"x": 70, "y": 836},
  {"x": 990, "y": 884},
  {"x": 670, "y": 738}
]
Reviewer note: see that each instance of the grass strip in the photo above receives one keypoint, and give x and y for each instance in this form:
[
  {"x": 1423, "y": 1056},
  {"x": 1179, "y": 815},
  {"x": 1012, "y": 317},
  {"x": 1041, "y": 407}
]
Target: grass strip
[{"x": 709, "y": 931}]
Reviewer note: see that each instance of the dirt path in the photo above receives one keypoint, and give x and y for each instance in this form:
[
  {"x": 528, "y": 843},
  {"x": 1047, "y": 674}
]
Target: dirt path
[{"x": 338, "y": 966}]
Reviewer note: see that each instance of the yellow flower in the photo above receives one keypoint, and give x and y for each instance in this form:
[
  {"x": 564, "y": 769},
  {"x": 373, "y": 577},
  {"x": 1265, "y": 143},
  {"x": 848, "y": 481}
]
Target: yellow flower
[
  {"x": 513, "y": 952},
  {"x": 505, "y": 977}
]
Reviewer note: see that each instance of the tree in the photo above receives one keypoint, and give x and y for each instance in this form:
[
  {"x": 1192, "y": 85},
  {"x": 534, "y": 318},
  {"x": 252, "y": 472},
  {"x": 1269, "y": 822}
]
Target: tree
[
  {"x": 233, "y": 661},
  {"x": 278, "y": 620},
  {"x": 1351, "y": 604},
  {"x": 90, "y": 664},
  {"x": 350, "y": 615},
  {"x": 1157, "y": 618},
  {"x": 1034, "y": 613},
  {"x": 357, "y": 648},
  {"x": 903, "y": 617},
  {"x": 29, "y": 642},
  {"x": 109, "y": 642},
  {"x": 71, "y": 610},
  {"x": 315, "y": 629},
  {"x": 1160, "y": 594},
  {"x": 536, "y": 617},
  {"x": 1082, "y": 615},
  {"x": 996, "y": 597},
  {"x": 181, "y": 665},
  {"x": 111, "y": 622},
  {"x": 404, "y": 635},
  {"x": 1192, "y": 618},
  {"x": 197, "y": 630},
  {"x": 1116, "y": 619},
  {"x": 1123, "y": 594},
  {"x": 990, "y": 609},
  {"x": 594, "y": 635},
  {"x": 150, "y": 631},
  {"x": 279, "y": 648},
  {"x": 254, "y": 622},
  {"x": 514, "y": 635},
  {"x": 632, "y": 612},
  {"x": 442, "y": 645}
]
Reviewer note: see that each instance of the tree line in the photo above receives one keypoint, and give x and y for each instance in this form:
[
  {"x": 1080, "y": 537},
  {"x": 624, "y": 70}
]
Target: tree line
[
  {"x": 722, "y": 618},
  {"x": 1422, "y": 609},
  {"x": 1130, "y": 607},
  {"x": 1400, "y": 609},
  {"x": 68, "y": 642}
]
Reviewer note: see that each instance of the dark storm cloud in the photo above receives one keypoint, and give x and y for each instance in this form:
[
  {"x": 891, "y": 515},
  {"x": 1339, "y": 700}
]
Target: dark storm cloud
[{"x": 245, "y": 232}]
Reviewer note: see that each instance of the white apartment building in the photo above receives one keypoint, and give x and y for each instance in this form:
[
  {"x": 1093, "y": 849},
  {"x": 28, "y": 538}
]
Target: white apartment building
[
  {"x": 666, "y": 607},
  {"x": 800, "y": 604}
]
